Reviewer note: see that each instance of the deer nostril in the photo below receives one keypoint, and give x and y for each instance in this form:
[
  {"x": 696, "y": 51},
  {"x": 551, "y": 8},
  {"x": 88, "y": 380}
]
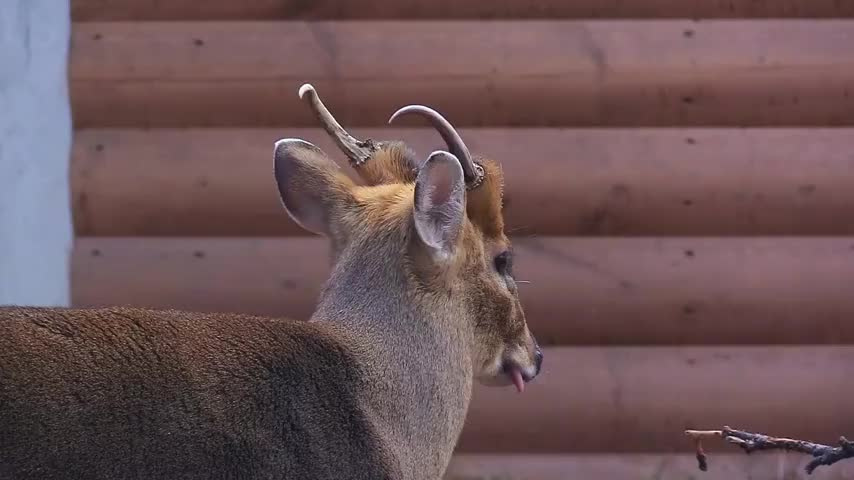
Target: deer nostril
[{"x": 538, "y": 358}]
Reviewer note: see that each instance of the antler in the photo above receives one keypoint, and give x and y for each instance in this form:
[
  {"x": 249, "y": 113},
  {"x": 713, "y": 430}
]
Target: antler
[
  {"x": 472, "y": 172},
  {"x": 358, "y": 151}
]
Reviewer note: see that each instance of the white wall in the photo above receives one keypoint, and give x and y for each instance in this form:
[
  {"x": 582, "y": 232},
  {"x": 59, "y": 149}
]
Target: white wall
[{"x": 35, "y": 142}]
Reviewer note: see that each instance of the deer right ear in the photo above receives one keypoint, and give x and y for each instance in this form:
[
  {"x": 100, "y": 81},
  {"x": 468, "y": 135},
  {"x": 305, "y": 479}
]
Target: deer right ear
[
  {"x": 440, "y": 203},
  {"x": 312, "y": 187}
]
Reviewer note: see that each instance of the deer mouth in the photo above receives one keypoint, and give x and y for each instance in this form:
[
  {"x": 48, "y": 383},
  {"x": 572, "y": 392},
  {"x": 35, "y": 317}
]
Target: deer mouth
[{"x": 516, "y": 375}]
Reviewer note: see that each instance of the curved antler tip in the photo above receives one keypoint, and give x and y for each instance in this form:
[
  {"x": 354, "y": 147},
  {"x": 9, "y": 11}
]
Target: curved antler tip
[
  {"x": 455, "y": 143},
  {"x": 305, "y": 88},
  {"x": 410, "y": 109},
  {"x": 394, "y": 116}
]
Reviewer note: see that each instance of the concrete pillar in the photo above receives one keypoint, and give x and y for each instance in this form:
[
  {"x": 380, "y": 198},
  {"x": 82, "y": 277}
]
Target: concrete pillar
[{"x": 35, "y": 146}]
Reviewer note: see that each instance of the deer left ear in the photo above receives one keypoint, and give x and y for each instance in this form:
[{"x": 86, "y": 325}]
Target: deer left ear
[
  {"x": 440, "y": 203},
  {"x": 313, "y": 189}
]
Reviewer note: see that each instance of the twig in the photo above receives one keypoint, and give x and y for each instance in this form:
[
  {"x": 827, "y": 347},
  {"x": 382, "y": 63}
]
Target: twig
[{"x": 751, "y": 442}]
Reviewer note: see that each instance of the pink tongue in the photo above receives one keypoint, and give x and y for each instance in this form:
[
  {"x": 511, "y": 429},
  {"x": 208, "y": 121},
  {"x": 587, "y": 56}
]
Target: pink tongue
[{"x": 516, "y": 375}]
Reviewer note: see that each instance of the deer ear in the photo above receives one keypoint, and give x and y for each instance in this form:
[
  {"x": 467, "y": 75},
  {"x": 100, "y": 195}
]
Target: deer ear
[
  {"x": 313, "y": 189},
  {"x": 440, "y": 203}
]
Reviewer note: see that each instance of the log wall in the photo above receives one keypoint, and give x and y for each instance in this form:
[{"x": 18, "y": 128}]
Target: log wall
[{"x": 498, "y": 73}]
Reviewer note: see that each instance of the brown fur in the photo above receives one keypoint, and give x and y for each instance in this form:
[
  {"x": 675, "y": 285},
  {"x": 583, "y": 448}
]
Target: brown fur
[
  {"x": 393, "y": 162},
  {"x": 485, "y": 202},
  {"x": 131, "y": 393},
  {"x": 376, "y": 385}
]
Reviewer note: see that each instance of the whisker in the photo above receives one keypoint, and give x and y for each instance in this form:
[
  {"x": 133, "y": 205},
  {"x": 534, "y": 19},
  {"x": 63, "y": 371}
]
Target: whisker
[
  {"x": 518, "y": 228},
  {"x": 523, "y": 281}
]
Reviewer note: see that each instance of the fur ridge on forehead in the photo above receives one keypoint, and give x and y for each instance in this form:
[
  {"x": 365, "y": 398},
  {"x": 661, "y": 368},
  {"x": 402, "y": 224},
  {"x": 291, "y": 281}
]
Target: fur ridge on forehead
[
  {"x": 395, "y": 163},
  {"x": 484, "y": 203}
]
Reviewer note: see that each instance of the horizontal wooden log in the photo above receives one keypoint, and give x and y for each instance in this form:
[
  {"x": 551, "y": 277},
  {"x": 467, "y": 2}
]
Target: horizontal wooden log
[
  {"x": 147, "y": 10},
  {"x": 583, "y": 290},
  {"x": 219, "y": 182},
  {"x": 640, "y": 399},
  {"x": 624, "y": 466},
  {"x": 501, "y": 73}
]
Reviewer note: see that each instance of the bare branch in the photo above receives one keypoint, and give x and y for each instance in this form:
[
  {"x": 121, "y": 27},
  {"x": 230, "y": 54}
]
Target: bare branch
[{"x": 751, "y": 442}]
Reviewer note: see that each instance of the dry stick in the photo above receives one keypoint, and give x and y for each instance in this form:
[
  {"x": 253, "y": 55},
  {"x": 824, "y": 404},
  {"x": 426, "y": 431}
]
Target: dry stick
[{"x": 751, "y": 442}]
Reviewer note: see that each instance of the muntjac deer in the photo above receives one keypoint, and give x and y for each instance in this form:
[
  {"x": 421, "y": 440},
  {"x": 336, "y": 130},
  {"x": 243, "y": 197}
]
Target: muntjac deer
[{"x": 421, "y": 302}]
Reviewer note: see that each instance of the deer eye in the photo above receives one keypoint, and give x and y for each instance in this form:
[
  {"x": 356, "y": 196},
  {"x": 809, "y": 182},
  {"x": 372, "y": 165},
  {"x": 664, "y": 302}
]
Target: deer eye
[{"x": 504, "y": 263}]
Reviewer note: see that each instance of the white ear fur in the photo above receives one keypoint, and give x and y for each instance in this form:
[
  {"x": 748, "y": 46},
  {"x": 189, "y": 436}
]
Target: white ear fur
[{"x": 440, "y": 203}]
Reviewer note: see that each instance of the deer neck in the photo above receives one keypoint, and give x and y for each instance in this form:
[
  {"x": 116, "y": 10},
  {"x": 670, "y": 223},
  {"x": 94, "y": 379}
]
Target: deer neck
[{"x": 417, "y": 354}]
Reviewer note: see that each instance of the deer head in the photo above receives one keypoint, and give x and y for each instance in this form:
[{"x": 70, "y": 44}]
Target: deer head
[{"x": 443, "y": 214}]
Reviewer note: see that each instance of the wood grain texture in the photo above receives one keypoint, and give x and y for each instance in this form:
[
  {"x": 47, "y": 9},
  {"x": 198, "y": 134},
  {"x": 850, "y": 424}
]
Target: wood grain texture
[
  {"x": 147, "y": 10},
  {"x": 640, "y": 399},
  {"x": 497, "y": 73},
  {"x": 583, "y": 291},
  {"x": 638, "y": 466},
  {"x": 219, "y": 182}
]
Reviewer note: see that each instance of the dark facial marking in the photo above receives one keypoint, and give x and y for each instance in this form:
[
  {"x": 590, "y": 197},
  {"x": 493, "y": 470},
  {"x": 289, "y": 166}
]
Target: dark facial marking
[{"x": 504, "y": 263}]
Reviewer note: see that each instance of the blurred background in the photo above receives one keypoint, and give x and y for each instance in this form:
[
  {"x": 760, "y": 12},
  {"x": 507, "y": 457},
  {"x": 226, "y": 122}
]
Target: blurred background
[{"x": 680, "y": 190}]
